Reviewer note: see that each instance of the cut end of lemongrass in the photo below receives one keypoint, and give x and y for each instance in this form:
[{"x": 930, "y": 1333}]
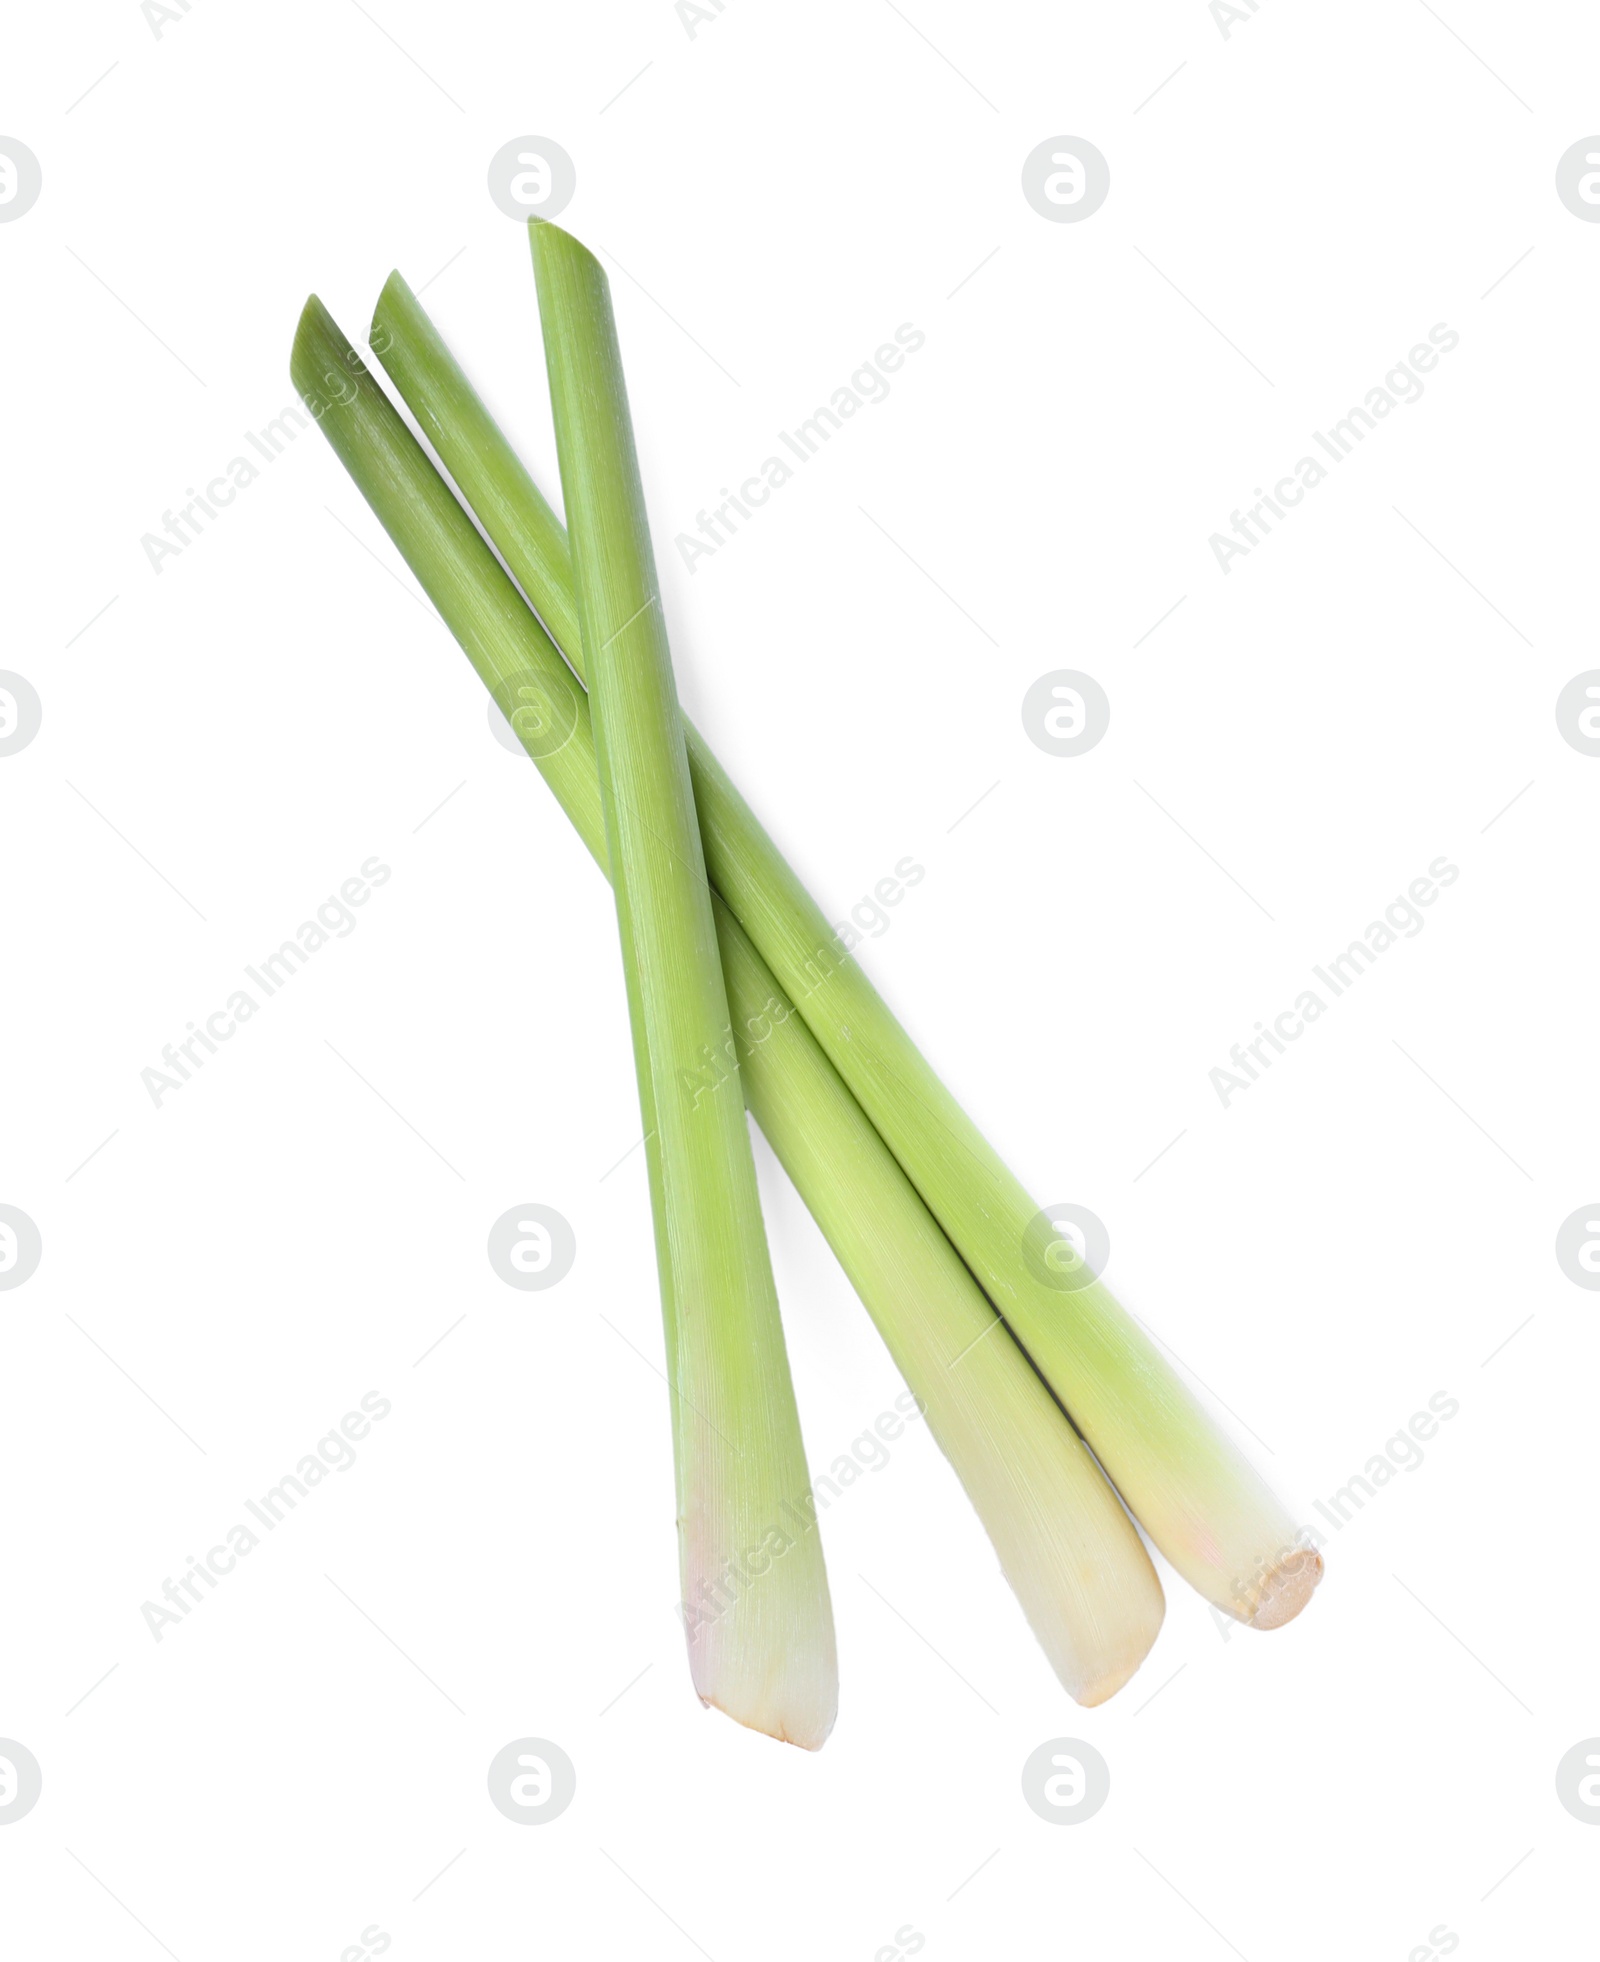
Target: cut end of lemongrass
[
  {"x": 764, "y": 1652},
  {"x": 806, "y": 1728},
  {"x": 1096, "y": 1618},
  {"x": 1287, "y": 1588},
  {"x": 1106, "y": 1687}
]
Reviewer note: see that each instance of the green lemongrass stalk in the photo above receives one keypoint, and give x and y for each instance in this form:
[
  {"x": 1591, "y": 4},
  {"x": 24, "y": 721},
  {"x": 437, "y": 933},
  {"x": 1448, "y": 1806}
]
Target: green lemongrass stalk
[
  {"x": 1065, "y": 1544},
  {"x": 1197, "y": 1496},
  {"x": 770, "y": 1659}
]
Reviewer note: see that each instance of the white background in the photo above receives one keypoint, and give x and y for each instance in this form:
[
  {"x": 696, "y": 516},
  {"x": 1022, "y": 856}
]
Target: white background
[{"x": 228, "y": 1274}]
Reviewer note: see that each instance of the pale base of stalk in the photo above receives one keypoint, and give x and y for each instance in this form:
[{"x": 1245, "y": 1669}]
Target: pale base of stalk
[
  {"x": 783, "y": 1682},
  {"x": 1069, "y": 1551}
]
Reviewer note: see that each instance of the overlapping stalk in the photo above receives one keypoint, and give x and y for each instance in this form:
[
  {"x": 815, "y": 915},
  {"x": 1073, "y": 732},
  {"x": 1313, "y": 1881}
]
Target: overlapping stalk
[
  {"x": 1195, "y": 1493},
  {"x": 1064, "y": 1542},
  {"x": 769, "y": 1660}
]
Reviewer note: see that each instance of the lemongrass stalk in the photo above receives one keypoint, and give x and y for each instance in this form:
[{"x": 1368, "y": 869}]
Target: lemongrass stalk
[
  {"x": 1065, "y": 1544},
  {"x": 770, "y": 1660},
  {"x": 1194, "y": 1491}
]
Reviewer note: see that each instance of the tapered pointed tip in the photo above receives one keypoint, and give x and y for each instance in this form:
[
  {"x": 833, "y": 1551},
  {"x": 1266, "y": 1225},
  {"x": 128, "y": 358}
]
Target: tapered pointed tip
[
  {"x": 395, "y": 292},
  {"x": 550, "y": 243},
  {"x": 314, "y": 317},
  {"x": 317, "y": 338}
]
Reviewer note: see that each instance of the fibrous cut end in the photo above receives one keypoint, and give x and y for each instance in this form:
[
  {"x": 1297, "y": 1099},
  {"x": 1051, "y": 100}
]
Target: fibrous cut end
[{"x": 1287, "y": 1588}]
